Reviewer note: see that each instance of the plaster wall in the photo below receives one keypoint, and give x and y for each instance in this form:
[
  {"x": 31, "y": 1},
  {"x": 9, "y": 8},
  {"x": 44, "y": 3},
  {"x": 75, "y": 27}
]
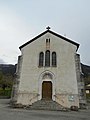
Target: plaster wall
[{"x": 65, "y": 81}]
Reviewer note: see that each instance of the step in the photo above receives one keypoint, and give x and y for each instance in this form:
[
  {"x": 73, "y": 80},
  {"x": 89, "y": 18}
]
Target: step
[{"x": 47, "y": 105}]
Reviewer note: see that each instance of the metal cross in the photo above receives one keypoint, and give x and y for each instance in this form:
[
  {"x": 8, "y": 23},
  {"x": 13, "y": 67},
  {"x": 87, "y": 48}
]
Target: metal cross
[{"x": 48, "y": 28}]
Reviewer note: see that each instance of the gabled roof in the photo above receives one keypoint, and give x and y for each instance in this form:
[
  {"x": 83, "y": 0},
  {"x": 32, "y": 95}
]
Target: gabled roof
[{"x": 60, "y": 36}]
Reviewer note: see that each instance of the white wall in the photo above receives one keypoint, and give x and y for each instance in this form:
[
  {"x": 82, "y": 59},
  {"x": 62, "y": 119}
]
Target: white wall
[{"x": 65, "y": 72}]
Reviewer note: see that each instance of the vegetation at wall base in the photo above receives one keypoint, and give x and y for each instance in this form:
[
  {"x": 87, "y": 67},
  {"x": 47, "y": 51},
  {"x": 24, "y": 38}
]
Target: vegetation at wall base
[
  {"x": 6, "y": 79},
  {"x": 88, "y": 96},
  {"x": 6, "y": 92}
]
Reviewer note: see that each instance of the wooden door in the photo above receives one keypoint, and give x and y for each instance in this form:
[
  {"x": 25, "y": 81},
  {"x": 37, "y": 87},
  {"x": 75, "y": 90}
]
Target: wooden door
[{"x": 47, "y": 90}]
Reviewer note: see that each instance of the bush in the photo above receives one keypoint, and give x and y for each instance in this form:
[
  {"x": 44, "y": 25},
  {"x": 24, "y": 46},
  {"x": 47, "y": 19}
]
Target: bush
[
  {"x": 88, "y": 96},
  {"x": 6, "y": 92}
]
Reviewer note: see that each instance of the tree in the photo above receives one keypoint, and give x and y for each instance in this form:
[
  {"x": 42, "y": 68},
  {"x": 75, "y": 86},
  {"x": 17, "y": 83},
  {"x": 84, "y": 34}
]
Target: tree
[
  {"x": 1, "y": 77},
  {"x": 87, "y": 80},
  {"x": 6, "y": 81}
]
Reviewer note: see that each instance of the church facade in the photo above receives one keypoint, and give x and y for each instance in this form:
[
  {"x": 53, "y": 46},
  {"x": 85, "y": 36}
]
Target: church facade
[{"x": 48, "y": 69}]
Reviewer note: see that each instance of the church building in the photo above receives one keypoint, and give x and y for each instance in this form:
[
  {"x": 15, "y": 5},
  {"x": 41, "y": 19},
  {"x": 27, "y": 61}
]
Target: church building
[{"x": 49, "y": 69}]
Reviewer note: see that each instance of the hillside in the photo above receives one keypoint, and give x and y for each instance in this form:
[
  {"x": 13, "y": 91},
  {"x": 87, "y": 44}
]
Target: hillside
[
  {"x": 85, "y": 70},
  {"x": 7, "y": 69}
]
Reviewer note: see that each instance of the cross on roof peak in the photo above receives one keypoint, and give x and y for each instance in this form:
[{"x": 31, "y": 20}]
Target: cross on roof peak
[{"x": 48, "y": 28}]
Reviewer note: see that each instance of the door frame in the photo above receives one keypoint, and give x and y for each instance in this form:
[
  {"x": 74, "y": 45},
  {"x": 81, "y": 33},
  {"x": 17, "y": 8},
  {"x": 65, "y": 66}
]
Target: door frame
[{"x": 41, "y": 81}]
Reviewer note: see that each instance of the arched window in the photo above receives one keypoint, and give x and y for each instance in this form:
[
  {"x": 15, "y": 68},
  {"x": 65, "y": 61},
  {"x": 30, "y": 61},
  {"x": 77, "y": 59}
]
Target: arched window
[
  {"x": 54, "y": 59},
  {"x": 47, "y": 58},
  {"x": 47, "y": 40},
  {"x": 41, "y": 59}
]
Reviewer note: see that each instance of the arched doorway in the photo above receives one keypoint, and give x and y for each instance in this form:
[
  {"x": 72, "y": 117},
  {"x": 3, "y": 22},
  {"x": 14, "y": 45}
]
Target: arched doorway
[
  {"x": 47, "y": 90},
  {"x": 47, "y": 85}
]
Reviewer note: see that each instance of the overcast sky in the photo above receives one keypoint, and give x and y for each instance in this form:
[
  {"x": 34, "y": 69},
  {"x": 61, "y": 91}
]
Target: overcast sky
[{"x": 21, "y": 20}]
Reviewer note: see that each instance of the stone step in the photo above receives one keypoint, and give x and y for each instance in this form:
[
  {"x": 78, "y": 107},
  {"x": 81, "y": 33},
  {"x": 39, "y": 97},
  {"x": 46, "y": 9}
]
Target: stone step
[{"x": 47, "y": 105}]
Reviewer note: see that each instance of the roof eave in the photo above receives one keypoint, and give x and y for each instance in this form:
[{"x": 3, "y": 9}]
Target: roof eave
[{"x": 33, "y": 39}]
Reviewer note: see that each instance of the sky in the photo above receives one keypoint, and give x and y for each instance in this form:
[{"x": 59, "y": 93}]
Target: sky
[{"x": 21, "y": 20}]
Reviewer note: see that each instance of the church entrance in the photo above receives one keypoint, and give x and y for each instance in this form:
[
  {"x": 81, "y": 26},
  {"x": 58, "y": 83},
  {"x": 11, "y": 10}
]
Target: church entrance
[{"x": 47, "y": 90}]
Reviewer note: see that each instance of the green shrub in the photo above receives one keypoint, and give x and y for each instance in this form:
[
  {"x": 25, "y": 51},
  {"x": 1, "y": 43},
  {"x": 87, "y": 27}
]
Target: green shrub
[
  {"x": 6, "y": 92},
  {"x": 88, "y": 96}
]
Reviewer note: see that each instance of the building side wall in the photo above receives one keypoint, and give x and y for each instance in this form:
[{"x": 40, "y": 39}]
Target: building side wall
[
  {"x": 16, "y": 81},
  {"x": 80, "y": 81}
]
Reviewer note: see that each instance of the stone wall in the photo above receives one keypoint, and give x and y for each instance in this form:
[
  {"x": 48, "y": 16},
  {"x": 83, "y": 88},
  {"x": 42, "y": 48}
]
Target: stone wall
[
  {"x": 80, "y": 81},
  {"x": 16, "y": 82}
]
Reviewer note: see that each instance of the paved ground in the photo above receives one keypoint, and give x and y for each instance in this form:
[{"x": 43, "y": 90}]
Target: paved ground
[{"x": 7, "y": 113}]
